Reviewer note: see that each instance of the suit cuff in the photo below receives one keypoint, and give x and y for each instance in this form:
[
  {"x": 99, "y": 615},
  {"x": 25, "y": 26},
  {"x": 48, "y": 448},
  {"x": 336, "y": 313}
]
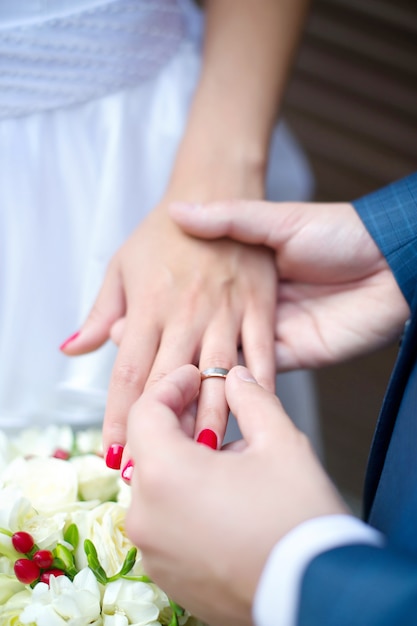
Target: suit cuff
[{"x": 277, "y": 595}]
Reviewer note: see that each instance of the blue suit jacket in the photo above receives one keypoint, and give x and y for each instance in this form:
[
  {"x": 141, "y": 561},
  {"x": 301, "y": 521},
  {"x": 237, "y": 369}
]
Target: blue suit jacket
[{"x": 362, "y": 585}]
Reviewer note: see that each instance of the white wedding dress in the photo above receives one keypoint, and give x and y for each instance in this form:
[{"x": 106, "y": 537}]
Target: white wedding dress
[{"x": 94, "y": 98}]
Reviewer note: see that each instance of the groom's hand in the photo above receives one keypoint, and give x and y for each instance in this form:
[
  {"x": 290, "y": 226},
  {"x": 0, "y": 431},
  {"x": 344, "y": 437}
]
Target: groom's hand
[
  {"x": 206, "y": 520},
  {"x": 337, "y": 296}
]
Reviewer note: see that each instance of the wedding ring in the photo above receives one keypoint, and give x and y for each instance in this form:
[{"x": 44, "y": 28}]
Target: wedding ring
[{"x": 214, "y": 372}]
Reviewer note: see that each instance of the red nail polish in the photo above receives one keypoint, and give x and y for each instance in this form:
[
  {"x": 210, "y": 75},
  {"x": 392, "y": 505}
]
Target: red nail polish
[
  {"x": 208, "y": 438},
  {"x": 114, "y": 456},
  {"x": 128, "y": 470},
  {"x": 67, "y": 341}
]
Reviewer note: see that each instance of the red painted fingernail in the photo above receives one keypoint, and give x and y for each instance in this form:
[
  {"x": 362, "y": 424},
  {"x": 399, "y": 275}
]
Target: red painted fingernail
[
  {"x": 128, "y": 470},
  {"x": 67, "y": 341},
  {"x": 208, "y": 438},
  {"x": 114, "y": 456}
]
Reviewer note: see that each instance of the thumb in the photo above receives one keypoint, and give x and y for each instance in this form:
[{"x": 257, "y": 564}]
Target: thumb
[
  {"x": 259, "y": 412},
  {"x": 251, "y": 222},
  {"x": 108, "y": 308},
  {"x": 154, "y": 422}
]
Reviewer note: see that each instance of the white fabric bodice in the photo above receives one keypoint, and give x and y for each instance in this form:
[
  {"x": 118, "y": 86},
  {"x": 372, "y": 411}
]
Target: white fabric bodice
[
  {"x": 79, "y": 169},
  {"x": 49, "y": 61}
]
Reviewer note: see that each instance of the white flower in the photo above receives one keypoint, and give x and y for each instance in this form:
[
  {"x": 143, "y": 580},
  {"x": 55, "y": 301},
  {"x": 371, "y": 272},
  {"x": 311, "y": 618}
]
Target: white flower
[
  {"x": 9, "y": 586},
  {"x": 42, "y": 442},
  {"x": 10, "y": 611},
  {"x": 95, "y": 479},
  {"x": 89, "y": 441},
  {"x": 135, "y": 600},
  {"x": 105, "y": 527},
  {"x": 46, "y": 530},
  {"x": 14, "y": 508},
  {"x": 124, "y": 496},
  {"x": 47, "y": 482},
  {"x": 43, "y": 496},
  {"x": 6, "y": 565},
  {"x": 65, "y": 603}
]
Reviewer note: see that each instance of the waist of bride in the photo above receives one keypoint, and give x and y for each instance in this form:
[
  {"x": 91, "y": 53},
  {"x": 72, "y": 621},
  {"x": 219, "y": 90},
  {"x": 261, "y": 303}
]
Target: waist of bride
[{"x": 52, "y": 62}]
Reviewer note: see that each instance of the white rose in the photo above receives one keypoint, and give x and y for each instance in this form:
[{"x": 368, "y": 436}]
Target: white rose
[
  {"x": 95, "y": 480},
  {"x": 9, "y": 586},
  {"x": 65, "y": 603},
  {"x": 105, "y": 527},
  {"x": 47, "y": 482},
  {"x": 89, "y": 441},
  {"x": 42, "y": 442},
  {"x": 124, "y": 496},
  {"x": 46, "y": 530},
  {"x": 6, "y": 565},
  {"x": 135, "y": 600},
  {"x": 12, "y": 609},
  {"x": 14, "y": 508}
]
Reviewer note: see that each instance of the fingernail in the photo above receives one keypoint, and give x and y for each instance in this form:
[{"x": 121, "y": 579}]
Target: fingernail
[
  {"x": 114, "y": 456},
  {"x": 244, "y": 374},
  {"x": 67, "y": 341},
  {"x": 128, "y": 470},
  {"x": 208, "y": 438}
]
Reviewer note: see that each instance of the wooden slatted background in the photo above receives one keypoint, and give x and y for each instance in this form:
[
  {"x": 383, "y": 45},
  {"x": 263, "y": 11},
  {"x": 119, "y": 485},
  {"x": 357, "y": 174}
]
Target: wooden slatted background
[
  {"x": 353, "y": 97},
  {"x": 352, "y": 102}
]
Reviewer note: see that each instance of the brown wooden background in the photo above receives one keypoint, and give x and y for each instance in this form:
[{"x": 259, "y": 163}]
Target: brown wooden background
[{"x": 352, "y": 102}]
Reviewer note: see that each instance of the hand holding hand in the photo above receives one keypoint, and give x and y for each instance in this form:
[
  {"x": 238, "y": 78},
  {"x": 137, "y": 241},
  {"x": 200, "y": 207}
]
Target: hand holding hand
[
  {"x": 170, "y": 299},
  {"x": 205, "y": 520},
  {"x": 337, "y": 296}
]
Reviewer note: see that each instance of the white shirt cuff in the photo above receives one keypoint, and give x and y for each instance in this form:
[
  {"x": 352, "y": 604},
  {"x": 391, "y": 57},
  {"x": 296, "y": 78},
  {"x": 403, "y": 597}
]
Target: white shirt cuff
[{"x": 276, "y": 597}]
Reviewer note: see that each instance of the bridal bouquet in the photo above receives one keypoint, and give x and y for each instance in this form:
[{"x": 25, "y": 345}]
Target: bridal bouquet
[{"x": 65, "y": 559}]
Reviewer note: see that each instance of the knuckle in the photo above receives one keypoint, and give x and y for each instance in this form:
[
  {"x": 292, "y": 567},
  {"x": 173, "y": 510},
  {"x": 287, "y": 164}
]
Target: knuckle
[
  {"x": 127, "y": 375},
  {"x": 217, "y": 358},
  {"x": 155, "y": 377}
]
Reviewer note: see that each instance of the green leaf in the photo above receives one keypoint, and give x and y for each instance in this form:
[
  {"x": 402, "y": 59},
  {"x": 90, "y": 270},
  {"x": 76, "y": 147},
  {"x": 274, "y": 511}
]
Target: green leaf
[
  {"x": 141, "y": 579},
  {"x": 128, "y": 563},
  {"x": 94, "y": 563},
  {"x": 177, "y": 611},
  {"x": 174, "y": 620},
  {"x": 72, "y": 535},
  {"x": 64, "y": 559}
]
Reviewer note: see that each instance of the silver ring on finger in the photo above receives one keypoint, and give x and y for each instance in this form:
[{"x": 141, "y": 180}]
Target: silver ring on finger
[{"x": 214, "y": 372}]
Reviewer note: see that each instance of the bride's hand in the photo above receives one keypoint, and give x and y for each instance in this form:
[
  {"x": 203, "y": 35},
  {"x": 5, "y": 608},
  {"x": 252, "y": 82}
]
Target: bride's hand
[{"x": 169, "y": 299}]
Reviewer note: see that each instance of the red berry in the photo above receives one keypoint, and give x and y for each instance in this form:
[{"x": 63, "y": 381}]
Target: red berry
[
  {"x": 43, "y": 559},
  {"x": 26, "y": 571},
  {"x": 61, "y": 454},
  {"x": 45, "y": 576},
  {"x": 22, "y": 542}
]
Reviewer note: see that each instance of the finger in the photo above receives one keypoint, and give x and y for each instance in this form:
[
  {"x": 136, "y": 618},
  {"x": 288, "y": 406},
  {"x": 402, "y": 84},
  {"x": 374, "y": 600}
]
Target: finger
[
  {"x": 180, "y": 344},
  {"x": 130, "y": 372},
  {"x": 117, "y": 329},
  {"x": 109, "y": 306},
  {"x": 161, "y": 411},
  {"x": 155, "y": 419},
  {"x": 219, "y": 350},
  {"x": 258, "y": 411},
  {"x": 258, "y": 344},
  {"x": 249, "y": 222}
]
